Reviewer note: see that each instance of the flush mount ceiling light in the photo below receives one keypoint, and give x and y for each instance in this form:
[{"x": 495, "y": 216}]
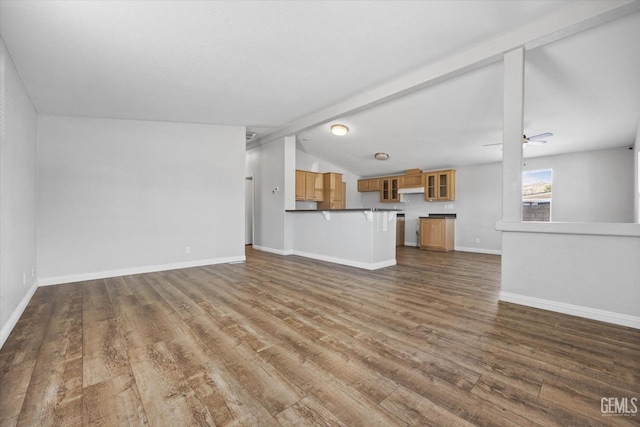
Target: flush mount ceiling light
[
  {"x": 381, "y": 156},
  {"x": 339, "y": 130}
]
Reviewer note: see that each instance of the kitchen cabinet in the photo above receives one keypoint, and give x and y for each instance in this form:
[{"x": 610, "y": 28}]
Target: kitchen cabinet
[
  {"x": 371, "y": 184},
  {"x": 400, "y": 226},
  {"x": 412, "y": 178},
  {"x": 437, "y": 234},
  {"x": 389, "y": 189},
  {"x": 300, "y": 185},
  {"x": 334, "y": 197},
  {"x": 309, "y": 186},
  {"x": 440, "y": 185}
]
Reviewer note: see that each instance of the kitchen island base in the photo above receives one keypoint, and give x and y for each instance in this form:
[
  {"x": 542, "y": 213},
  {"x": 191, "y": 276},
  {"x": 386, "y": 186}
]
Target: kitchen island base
[{"x": 362, "y": 238}]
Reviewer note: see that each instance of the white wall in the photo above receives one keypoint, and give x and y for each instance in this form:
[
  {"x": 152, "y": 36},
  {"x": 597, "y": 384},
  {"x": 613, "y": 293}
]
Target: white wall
[
  {"x": 18, "y": 178},
  {"x": 123, "y": 196},
  {"x": 593, "y": 186},
  {"x": 588, "y": 270}
]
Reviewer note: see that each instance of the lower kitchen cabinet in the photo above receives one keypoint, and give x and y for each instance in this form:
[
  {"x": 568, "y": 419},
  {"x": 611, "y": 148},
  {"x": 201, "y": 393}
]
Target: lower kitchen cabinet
[
  {"x": 400, "y": 230},
  {"x": 437, "y": 234}
]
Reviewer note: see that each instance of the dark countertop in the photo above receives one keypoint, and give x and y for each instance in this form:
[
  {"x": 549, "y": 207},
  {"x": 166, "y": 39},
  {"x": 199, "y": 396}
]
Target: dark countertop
[
  {"x": 345, "y": 210},
  {"x": 439, "y": 215}
]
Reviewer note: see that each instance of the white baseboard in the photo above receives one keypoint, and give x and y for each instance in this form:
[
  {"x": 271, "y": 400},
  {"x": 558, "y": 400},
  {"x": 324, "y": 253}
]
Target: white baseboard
[
  {"x": 135, "y": 270},
  {"x": 351, "y": 263},
  {"x": 271, "y": 250},
  {"x": 479, "y": 250},
  {"x": 574, "y": 310},
  {"x": 464, "y": 249},
  {"x": 15, "y": 316}
]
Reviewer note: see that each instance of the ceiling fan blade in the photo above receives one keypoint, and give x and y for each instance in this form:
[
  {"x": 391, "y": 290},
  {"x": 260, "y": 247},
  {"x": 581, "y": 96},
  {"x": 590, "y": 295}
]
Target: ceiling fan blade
[
  {"x": 540, "y": 136},
  {"x": 533, "y": 140}
]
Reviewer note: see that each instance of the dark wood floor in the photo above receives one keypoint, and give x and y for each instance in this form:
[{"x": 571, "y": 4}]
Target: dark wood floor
[{"x": 292, "y": 341}]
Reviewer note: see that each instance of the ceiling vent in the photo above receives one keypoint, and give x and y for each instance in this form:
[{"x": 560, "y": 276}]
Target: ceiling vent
[{"x": 251, "y": 136}]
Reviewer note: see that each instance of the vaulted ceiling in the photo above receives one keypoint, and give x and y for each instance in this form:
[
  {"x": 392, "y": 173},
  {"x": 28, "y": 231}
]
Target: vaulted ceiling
[{"x": 281, "y": 66}]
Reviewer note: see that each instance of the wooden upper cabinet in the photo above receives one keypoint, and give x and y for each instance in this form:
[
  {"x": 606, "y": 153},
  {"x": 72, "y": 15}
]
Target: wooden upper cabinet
[
  {"x": 300, "y": 185},
  {"x": 440, "y": 185},
  {"x": 334, "y": 189},
  {"x": 371, "y": 184},
  {"x": 430, "y": 186},
  {"x": 309, "y": 186},
  {"x": 389, "y": 187},
  {"x": 316, "y": 191},
  {"x": 411, "y": 179}
]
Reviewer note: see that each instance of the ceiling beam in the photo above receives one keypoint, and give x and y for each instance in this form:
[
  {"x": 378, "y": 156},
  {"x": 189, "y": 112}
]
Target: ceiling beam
[{"x": 573, "y": 19}]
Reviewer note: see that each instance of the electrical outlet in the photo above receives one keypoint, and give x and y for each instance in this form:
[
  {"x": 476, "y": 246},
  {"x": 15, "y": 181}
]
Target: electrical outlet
[
  {"x": 24, "y": 278},
  {"x": 187, "y": 250},
  {"x": 477, "y": 240},
  {"x": 33, "y": 272}
]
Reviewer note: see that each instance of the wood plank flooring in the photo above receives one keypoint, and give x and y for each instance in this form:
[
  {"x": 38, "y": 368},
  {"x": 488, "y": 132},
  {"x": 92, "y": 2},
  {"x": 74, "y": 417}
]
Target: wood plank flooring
[{"x": 291, "y": 341}]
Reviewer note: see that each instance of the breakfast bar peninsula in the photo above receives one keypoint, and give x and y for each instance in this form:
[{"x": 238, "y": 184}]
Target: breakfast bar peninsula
[{"x": 363, "y": 238}]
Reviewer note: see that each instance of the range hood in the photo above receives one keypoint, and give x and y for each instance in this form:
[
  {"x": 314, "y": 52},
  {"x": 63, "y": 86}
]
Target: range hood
[{"x": 412, "y": 190}]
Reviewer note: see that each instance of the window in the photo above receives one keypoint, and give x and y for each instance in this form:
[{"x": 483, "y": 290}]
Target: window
[{"x": 536, "y": 195}]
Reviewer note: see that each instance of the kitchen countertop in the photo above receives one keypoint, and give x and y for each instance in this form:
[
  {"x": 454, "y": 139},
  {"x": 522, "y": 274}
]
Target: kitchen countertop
[
  {"x": 345, "y": 210},
  {"x": 440, "y": 215}
]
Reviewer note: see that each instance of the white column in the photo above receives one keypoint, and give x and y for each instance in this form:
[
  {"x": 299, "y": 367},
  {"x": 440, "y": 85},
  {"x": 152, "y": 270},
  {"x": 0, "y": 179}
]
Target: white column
[
  {"x": 290, "y": 172},
  {"x": 512, "y": 139},
  {"x": 636, "y": 175},
  {"x": 289, "y": 190}
]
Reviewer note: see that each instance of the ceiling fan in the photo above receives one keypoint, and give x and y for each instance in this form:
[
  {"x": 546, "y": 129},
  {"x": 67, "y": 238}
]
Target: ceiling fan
[{"x": 530, "y": 140}]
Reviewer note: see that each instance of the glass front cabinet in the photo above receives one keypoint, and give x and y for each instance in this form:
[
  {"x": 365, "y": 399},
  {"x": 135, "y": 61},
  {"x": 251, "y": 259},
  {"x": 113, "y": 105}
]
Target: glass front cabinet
[
  {"x": 389, "y": 190},
  {"x": 440, "y": 185}
]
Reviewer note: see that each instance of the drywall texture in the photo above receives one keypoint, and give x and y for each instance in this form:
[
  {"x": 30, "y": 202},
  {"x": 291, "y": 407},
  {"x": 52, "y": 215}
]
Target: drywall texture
[
  {"x": 124, "y": 195},
  {"x": 18, "y": 178}
]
